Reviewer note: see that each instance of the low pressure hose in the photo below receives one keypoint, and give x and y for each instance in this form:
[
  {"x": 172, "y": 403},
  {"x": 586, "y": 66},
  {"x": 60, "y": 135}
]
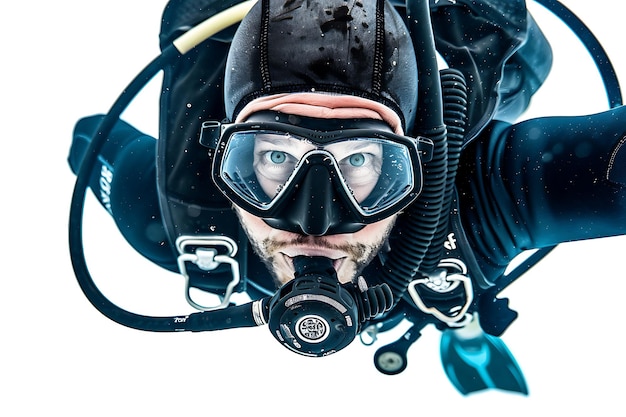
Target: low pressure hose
[
  {"x": 194, "y": 322},
  {"x": 454, "y": 92},
  {"x": 417, "y": 226}
]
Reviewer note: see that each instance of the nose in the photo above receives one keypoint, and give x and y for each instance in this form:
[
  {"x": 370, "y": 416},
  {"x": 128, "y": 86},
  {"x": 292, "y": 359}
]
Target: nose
[{"x": 316, "y": 207}]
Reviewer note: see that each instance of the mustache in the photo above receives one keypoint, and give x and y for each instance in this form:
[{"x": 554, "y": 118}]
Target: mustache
[{"x": 356, "y": 250}]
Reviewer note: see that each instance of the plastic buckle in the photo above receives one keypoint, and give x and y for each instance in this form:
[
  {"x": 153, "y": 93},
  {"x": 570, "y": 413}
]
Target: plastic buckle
[
  {"x": 446, "y": 282},
  {"x": 207, "y": 257}
]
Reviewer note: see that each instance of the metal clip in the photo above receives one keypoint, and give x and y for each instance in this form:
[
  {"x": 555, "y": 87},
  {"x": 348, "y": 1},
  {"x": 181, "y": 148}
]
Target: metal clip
[
  {"x": 207, "y": 257},
  {"x": 369, "y": 335},
  {"x": 443, "y": 282}
]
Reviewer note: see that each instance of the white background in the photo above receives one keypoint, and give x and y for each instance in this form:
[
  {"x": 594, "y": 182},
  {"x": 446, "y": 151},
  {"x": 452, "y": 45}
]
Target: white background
[{"x": 66, "y": 59}]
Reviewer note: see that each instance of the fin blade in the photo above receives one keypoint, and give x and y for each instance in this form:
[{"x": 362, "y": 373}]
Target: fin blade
[{"x": 480, "y": 363}]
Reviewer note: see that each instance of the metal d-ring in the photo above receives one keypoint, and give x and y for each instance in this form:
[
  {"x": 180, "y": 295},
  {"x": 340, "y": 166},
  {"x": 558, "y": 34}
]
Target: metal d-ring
[
  {"x": 443, "y": 282},
  {"x": 206, "y": 257}
]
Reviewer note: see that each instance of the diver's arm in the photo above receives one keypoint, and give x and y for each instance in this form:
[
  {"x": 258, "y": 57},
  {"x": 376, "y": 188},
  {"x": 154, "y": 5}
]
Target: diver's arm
[
  {"x": 124, "y": 181},
  {"x": 543, "y": 182},
  {"x": 110, "y": 155}
]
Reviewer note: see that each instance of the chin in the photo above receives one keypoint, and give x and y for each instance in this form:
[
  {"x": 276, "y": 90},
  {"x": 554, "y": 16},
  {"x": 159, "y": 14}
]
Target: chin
[{"x": 283, "y": 273}]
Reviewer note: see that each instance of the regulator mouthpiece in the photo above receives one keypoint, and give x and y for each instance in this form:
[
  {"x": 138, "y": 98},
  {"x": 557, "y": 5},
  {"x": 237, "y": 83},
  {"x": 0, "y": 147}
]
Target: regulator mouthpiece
[{"x": 316, "y": 315}]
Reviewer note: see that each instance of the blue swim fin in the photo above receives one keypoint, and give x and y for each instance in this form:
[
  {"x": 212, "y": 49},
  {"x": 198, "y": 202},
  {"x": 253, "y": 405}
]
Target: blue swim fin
[{"x": 474, "y": 361}]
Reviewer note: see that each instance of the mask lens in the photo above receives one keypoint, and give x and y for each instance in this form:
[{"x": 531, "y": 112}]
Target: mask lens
[
  {"x": 393, "y": 173},
  {"x": 374, "y": 172},
  {"x": 237, "y": 169}
]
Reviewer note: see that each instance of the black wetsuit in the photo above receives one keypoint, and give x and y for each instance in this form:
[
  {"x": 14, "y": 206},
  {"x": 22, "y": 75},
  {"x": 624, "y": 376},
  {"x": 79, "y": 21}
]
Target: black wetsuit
[{"x": 520, "y": 186}]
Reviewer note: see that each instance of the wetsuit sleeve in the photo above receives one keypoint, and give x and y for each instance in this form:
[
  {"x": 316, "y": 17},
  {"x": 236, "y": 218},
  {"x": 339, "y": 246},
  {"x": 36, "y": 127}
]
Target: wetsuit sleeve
[
  {"x": 543, "y": 182},
  {"x": 124, "y": 181}
]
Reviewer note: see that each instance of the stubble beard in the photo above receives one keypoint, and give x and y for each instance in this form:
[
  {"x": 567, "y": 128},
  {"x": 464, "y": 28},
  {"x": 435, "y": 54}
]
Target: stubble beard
[{"x": 359, "y": 254}]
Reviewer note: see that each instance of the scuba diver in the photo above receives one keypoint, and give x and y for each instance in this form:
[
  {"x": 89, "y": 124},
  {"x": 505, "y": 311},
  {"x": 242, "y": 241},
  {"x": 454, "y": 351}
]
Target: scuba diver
[{"x": 321, "y": 158}]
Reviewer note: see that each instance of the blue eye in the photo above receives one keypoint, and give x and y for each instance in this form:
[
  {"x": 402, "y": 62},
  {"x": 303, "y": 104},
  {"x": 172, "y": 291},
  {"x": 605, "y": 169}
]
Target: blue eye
[
  {"x": 277, "y": 157},
  {"x": 357, "y": 159}
]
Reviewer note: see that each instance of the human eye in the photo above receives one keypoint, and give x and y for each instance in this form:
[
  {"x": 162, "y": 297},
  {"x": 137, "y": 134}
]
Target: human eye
[
  {"x": 273, "y": 159},
  {"x": 357, "y": 159},
  {"x": 361, "y": 167},
  {"x": 276, "y": 157},
  {"x": 274, "y": 164},
  {"x": 361, "y": 171}
]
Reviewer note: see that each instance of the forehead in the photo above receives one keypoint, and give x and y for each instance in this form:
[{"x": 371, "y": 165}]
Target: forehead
[
  {"x": 318, "y": 123},
  {"x": 323, "y": 106}
]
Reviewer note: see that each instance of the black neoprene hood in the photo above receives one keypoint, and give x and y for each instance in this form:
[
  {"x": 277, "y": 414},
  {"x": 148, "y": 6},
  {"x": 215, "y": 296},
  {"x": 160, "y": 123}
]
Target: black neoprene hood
[{"x": 357, "y": 47}]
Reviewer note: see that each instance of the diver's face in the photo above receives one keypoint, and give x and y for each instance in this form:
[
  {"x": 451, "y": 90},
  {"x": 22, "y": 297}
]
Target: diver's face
[
  {"x": 360, "y": 164},
  {"x": 350, "y": 252}
]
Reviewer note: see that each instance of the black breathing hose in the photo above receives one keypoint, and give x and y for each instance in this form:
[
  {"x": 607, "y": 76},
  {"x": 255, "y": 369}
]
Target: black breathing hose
[
  {"x": 454, "y": 92},
  {"x": 247, "y": 315},
  {"x": 79, "y": 263},
  {"x": 416, "y": 227},
  {"x": 239, "y": 316},
  {"x": 429, "y": 112},
  {"x": 599, "y": 55}
]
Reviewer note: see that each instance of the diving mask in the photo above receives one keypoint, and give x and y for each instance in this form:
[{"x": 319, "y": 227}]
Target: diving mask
[{"x": 316, "y": 176}]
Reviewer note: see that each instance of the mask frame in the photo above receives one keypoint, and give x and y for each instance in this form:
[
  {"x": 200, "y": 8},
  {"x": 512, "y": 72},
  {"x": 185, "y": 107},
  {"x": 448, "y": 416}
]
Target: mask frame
[{"x": 349, "y": 215}]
